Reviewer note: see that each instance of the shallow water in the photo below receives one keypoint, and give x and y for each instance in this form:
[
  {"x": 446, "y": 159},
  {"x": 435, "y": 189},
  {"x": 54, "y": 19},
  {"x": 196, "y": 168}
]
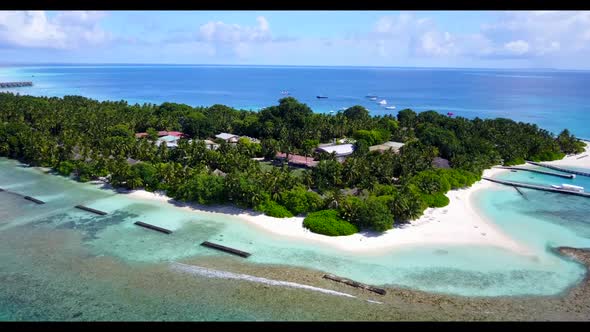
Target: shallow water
[{"x": 54, "y": 251}]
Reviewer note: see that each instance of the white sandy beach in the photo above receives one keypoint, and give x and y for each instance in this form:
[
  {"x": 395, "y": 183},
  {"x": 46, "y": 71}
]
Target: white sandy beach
[
  {"x": 573, "y": 161},
  {"x": 456, "y": 224}
]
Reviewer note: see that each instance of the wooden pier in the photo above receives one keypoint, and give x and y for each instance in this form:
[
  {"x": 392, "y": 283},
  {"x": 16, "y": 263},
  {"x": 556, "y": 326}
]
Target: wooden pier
[
  {"x": 520, "y": 192},
  {"x": 226, "y": 249},
  {"x": 538, "y": 187},
  {"x": 15, "y": 84},
  {"x": 155, "y": 228},
  {"x": 567, "y": 176},
  {"x": 559, "y": 168},
  {"x": 355, "y": 284},
  {"x": 33, "y": 199},
  {"x": 29, "y": 198},
  {"x": 85, "y": 208}
]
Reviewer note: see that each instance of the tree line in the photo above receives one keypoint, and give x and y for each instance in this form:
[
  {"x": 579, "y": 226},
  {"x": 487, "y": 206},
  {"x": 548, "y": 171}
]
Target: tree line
[{"x": 89, "y": 139}]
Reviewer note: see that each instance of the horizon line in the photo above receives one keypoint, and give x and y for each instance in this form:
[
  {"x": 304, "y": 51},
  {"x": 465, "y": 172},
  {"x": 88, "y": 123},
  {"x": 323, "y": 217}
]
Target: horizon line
[{"x": 267, "y": 65}]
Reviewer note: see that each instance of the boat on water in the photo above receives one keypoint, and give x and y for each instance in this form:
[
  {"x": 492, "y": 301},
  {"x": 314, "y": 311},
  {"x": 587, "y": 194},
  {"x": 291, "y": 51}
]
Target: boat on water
[
  {"x": 371, "y": 96},
  {"x": 390, "y": 107},
  {"x": 569, "y": 187},
  {"x": 383, "y": 102},
  {"x": 321, "y": 97}
]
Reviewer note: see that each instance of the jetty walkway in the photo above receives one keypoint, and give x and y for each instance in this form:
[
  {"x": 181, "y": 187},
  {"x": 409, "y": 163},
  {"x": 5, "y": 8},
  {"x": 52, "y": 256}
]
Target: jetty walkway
[
  {"x": 15, "y": 84},
  {"x": 567, "y": 176},
  {"x": 538, "y": 187},
  {"x": 559, "y": 168}
]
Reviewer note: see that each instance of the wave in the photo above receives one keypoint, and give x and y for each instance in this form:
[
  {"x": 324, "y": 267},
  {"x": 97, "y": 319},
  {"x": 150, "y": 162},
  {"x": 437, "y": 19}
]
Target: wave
[{"x": 211, "y": 273}]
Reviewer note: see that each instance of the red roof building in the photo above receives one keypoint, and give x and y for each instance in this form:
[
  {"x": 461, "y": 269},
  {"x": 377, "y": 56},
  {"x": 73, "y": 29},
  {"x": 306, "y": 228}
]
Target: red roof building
[
  {"x": 298, "y": 160},
  {"x": 162, "y": 133}
]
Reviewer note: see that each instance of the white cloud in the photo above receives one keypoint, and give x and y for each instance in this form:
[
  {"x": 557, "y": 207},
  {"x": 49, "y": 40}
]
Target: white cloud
[
  {"x": 230, "y": 40},
  {"x": 406, "y": 34},
  {"x": 516, "y": 35},
  {"x": 434, "y": 43},
  {"x": 220, "y": 32},
  {"x": 518, "y": 47},
  {"x": 544, "y": 33},
  {"x": 33, "y": 29}
]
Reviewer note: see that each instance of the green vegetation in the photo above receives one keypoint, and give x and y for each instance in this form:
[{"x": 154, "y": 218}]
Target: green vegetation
[
  {"x": 299, "y": 200},
  {"x": 327, "y": 222},
  {"x": 65, "y": 168},
  {"x": 274, "y": 209},
  {"x": 369, "y": 190}
]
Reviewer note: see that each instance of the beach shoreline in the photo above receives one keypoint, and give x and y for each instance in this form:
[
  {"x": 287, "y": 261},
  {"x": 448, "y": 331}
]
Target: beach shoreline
[
  {"x": 459, "y": 223},
  {"x": 576, "y": 160}
]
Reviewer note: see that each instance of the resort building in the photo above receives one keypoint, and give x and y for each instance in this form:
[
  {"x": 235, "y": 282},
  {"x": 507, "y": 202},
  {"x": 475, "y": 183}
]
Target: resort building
[
  {"x": 162, "y": 133},
  {"x": 298, "y": 160},
  {"x": 394, "y": 146},
  {"x": 171, "y": 133},
  {"x": 170, "y": 137},
  {"x": 170, "y": 140},
  {"x": 132, "y": 161},
  {"x": 230, "y": 138},
  {"x": 211, "y": 145},
  {"x": 341, "y": 150},
  {"x": 439, "y": 162}
]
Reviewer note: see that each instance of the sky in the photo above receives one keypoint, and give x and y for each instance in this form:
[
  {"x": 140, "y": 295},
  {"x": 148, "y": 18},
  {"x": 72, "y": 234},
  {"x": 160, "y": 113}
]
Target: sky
[{"x": 474, "y": 39}]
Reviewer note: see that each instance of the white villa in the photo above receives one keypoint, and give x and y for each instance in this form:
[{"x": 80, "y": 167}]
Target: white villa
[
  {"x": 341, "y": 150},
  {"x": 230, "y": 138},
  {"x": 395, "y": 146},
  {"x": 171, "y": 141}
]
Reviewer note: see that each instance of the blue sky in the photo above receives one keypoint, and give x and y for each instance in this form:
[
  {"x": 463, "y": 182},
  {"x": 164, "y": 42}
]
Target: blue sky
[{"x": 518, "y": 39}]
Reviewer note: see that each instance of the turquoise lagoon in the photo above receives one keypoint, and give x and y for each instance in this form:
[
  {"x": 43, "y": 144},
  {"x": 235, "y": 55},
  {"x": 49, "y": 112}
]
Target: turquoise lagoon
[{"x": 45, "y": 249}]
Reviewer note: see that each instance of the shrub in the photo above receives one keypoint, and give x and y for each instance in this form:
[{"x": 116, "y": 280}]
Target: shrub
[
  {"x": 429, "y": 182},
  {"x": 65, "y": 168},
  {"x": 372, "y": 137},
  {"x": 458, "y": 178},
  {"x": 376, "y": 214},
  {"x": 350, "y": 209},
  {"x": 298, "y": 200},
  {"x": 548, "y": 156},
  {"x": 202, "y": 188},
  {"x": 516, "y": 161},
  {"x": 408, "y": 205},
  {"x": 327, "y": 222},
  {"x": 435, "y": 200},
  {"x": 274, "y": 209}
]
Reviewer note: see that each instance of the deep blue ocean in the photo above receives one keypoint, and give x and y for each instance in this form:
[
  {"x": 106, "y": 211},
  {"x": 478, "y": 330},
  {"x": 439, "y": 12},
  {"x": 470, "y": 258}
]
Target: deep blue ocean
[
  {"x": 61, "y": 263},
  {"x": 552, "y": 99}
]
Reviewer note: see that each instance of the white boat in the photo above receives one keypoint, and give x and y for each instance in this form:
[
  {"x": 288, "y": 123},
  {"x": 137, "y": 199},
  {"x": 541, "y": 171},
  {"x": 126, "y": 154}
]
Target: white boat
[
  {"x": 383, "y": 102},
  {"x": 373, "y": 98},
  {"x": 569, "y": 187},
  {"x": 390, "y": 107}
]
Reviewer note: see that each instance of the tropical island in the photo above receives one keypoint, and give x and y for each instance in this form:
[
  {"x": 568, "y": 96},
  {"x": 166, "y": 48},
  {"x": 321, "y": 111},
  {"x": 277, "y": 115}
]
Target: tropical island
[{"x": 345, "y": 172}]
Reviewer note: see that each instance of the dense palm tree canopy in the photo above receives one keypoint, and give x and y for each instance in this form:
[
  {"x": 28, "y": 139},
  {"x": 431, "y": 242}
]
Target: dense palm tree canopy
[{"x": 88, "y": 139}]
